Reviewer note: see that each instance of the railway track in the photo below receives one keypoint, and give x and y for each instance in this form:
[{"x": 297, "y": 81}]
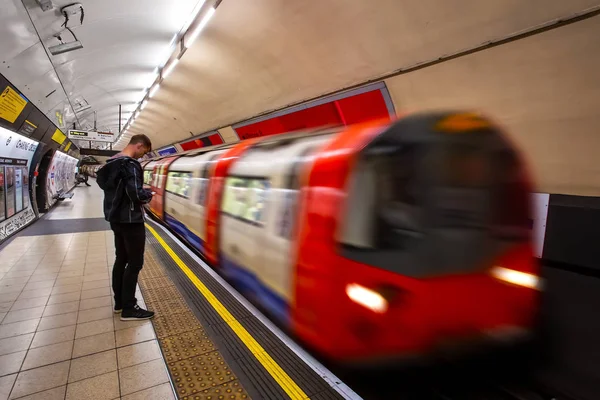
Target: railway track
[{"x": 492, "y": 378}]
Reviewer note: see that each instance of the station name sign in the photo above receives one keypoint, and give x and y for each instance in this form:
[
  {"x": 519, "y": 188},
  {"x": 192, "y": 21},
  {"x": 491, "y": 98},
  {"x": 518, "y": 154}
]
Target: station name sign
[{"x": 91, "y": 135}]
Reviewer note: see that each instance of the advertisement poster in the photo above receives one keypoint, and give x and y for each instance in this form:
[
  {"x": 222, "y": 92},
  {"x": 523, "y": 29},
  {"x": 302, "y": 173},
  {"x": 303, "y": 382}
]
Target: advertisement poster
[
  {"x": 16, "y": 153},
  {"x": 16, "y": 149},
  {"x": 61, "y": 175}
]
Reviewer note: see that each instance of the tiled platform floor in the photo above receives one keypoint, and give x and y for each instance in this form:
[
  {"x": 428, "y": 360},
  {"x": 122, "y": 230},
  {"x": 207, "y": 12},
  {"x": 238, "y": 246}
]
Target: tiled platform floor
[{"x": 59, "y": 338}]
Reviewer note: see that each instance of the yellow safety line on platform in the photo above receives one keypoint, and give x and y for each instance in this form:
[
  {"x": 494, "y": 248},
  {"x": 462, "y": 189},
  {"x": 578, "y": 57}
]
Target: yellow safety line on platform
[{"x": 280, "y": 376}]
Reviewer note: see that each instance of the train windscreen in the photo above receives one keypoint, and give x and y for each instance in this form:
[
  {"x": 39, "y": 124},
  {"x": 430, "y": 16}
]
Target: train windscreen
[{"x": 425, "y": 208}]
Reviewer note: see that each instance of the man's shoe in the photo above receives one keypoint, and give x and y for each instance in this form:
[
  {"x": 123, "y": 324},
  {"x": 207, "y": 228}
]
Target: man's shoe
[
  {"x": 118, "y": 309},
  {"x": 136, "y": 313}
]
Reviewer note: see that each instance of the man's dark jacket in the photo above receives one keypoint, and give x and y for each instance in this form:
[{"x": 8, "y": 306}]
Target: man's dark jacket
[{"x": 124, "y": 195}]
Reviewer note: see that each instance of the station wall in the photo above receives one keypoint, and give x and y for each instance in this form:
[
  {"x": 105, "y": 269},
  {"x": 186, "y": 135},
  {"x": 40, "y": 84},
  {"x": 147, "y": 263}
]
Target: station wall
[
  {"x": 30, "y": 145},
  {"x": 542, "y": 88}
]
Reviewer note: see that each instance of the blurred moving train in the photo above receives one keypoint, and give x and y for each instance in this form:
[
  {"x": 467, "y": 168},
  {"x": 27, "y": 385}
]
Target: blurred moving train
[{"x": 370, "y": 242}]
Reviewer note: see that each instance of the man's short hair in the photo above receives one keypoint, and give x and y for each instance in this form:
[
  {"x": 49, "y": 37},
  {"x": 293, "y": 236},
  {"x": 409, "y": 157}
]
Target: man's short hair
[{"x": 143, "y": 139}]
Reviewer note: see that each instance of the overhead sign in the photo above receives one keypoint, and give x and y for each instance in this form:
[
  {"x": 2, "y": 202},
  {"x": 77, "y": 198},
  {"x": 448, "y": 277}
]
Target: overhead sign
[
  {"x": 77, "y": 134},
  {"x": 91, "y": 135},
  {"x": 98, "y": 152},
  {"x": 11, "y": 104}
]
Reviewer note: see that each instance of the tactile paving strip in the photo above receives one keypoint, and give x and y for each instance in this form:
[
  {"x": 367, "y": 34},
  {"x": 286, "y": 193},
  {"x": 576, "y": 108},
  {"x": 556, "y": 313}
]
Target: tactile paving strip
[
  {"x": 256, "y": 378},
  {"x": 227, "y": 391},
  {"x": 186, "y": 345},
  {"x": 175, "y": 324},
  {"x": 196, "y": 374},
  {"x": 197, "y": 369}
]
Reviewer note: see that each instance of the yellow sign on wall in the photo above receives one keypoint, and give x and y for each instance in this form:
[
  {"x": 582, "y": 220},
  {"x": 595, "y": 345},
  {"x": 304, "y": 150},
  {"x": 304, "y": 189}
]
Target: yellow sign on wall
[
  {"x": 59, "y": 137},
  {"x": 11, "y": 104},
  {"x": 68, "y": 146}
]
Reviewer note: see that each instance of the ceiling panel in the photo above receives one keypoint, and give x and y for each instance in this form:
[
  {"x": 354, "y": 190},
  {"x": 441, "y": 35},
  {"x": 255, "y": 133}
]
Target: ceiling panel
[
  {"x": 123, "y": 43},
  {"x": 16, "y": 30}
]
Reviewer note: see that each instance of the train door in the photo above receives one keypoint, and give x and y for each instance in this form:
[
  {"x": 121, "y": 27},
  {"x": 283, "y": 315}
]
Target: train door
[
  {"x": 242, "y": 231},
  {"x": 159, "y": 181},
  {"x": 278, "y": 256},
  {"x": 200, "y": 185}
]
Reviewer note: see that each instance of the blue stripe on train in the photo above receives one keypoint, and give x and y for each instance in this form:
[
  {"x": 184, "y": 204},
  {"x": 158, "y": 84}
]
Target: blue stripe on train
[
  {"x": 251, "y": 286},
  {"x": 244, "y": 280},
  {"x": 183, "y": 231}
]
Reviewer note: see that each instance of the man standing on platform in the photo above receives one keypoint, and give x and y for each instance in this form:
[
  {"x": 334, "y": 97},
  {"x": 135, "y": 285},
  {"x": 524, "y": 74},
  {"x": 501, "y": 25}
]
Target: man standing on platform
[{"x": 121, "y": 179}]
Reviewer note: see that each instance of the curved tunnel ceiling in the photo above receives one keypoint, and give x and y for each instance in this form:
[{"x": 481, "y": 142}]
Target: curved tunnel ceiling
[
  {"x": 252, "y": 57},
  {"x": 123, "y": 43}
]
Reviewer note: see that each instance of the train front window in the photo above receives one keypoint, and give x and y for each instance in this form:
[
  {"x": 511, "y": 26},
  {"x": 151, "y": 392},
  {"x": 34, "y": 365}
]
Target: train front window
[
  {"x": 382, "y": 208},
  {"x": 512, "y": 214}
]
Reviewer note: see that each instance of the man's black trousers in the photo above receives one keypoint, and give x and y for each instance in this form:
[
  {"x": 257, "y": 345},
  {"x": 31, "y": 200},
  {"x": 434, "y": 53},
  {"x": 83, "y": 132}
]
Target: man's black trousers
[{"x": 130, "y": 240}]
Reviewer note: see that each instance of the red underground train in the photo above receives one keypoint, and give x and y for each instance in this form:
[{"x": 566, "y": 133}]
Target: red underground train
[{"x": 367, "y": 242}]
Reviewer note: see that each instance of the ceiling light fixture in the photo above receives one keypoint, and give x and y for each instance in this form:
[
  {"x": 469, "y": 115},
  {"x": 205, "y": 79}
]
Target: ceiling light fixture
[
  {"x": 153, "y": 90},
  {"x": 195, "y": 13},
  {"x": 169, "y": 50},
  {"x": 169, "y": 68},
  {"x": 196, "y": 32},
  {"x": 65, "y": 47}
]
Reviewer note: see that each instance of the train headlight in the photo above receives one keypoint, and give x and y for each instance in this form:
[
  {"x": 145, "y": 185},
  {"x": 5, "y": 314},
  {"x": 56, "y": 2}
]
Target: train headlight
[
  {"x": 516, "y": 277},
  {"x": 367, "y": 298}
]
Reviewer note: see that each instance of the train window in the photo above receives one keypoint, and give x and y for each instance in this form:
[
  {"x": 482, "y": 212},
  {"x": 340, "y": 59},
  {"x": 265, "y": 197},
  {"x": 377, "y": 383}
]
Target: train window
[
  {"x": 285, "y": 225},
  {"x": 286, "y": 222},
  {"x": 208, "y": 165},
  {"x": 179, "y": 183},
  {"x": 147, "y": 177},
  {"x": 463, "y": 167},
  {"x": 245, "y": 199},
  {"x": 155, "y": 176},
  {"x": 382, "y": 218},
  {"x": 512, "y": 214},
  {"x": 202, "y": 193}
]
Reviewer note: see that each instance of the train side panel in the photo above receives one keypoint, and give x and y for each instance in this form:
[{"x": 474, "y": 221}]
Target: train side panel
[
  {"x": 257, "y": 221},
  {"x": 158, "y": 184},
  {"x": 187, "y": 196},
  {"x": 218, "y": 174},
  {"x": 318, "y": 275}
]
